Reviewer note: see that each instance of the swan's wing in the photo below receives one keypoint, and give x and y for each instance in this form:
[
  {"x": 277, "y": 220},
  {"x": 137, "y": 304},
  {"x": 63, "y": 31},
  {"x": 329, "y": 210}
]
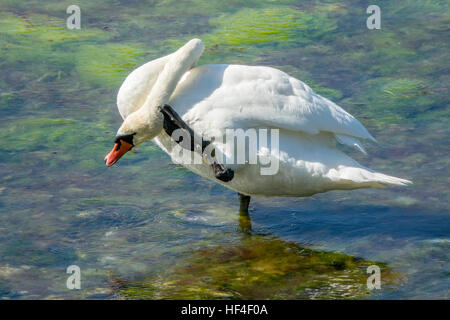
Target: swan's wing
[{"x": 217, "y": 97}]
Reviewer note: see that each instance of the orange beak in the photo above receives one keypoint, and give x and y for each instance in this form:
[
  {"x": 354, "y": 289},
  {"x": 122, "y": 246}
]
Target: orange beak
[{"x": 117, "y": 152}]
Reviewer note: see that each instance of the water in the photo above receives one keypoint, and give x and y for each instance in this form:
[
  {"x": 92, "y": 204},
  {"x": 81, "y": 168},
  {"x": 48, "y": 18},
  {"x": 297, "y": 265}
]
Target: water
[{"x": 149, "y": 229}]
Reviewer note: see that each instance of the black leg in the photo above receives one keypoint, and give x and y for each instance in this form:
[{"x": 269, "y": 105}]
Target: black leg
[
  {"x": 244, "y": 202},
  {"x": 245, "y": 222}
]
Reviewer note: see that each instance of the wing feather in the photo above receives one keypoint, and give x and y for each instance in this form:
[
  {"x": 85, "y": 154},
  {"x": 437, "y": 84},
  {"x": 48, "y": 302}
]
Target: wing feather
[{"x": 217, "y": 97}]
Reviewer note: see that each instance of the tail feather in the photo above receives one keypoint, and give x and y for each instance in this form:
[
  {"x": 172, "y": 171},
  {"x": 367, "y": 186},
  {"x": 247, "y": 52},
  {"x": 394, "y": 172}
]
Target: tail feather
[
  {"x": 363, "y": 177},
  {"x": 390, "y": 180}
]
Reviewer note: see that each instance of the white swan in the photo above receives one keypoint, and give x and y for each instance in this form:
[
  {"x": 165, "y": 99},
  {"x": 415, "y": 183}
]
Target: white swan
[{"x": 212, "y": 98}]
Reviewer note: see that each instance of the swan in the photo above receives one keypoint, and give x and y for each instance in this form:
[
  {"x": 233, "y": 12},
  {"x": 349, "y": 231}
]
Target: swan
[{"x": 172, "y": 92}]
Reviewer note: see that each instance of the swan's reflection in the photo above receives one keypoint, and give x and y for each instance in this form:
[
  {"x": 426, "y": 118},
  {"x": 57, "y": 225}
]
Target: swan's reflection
[
  {"x": 245, "y": 222},
  {"x": 258, "y": 267}
]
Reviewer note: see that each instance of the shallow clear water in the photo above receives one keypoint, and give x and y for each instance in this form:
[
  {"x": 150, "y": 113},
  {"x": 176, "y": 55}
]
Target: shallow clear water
[{"x": 149, "y": 229}]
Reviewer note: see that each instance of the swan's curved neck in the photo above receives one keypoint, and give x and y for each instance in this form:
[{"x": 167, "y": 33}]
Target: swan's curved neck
[{"x": 180, "y": 62}]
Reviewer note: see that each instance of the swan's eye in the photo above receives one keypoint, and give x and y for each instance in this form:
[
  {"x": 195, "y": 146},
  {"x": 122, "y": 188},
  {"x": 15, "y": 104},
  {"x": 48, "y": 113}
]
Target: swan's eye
[{"x": 127, "y": 138}]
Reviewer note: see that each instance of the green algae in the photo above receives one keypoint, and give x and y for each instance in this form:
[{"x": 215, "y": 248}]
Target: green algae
[
  {"x": 269, "y": 25},
  {"x": 29, "y": 134},
  {"x": 47, "y": 29},
  {"x": 181, "y": 9},
  {"x": 48, "y": 143},
  {"x": 412, "y": 7},
  {"x": 46, "y": 35},
  {"x": 258, "y": 268},
  {"x": 41, "y": 30},
  {"x": 254, "y": 27},
  {"x": 107, "y": 65},
  {"x": 394, "y": 100},
  {"x": 12, "y": 24}
]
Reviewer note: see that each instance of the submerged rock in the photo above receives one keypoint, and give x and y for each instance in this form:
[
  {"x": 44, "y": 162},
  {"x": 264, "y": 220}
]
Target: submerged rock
[{"x": 258, "y": 268}]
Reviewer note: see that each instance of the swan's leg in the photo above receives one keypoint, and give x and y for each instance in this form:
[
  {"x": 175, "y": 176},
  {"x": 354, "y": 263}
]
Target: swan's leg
[
  {"x": 172, "y": 122},
  {"x": 244, "y": 202},
  {"x": 245, "y": 223}
]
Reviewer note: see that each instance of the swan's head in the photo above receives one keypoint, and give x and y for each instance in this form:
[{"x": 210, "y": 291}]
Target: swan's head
[{"x": 137, "y": 128}]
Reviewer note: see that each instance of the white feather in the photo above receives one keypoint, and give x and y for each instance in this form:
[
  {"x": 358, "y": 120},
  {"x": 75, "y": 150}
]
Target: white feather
[{"x": 212, "y": 98}]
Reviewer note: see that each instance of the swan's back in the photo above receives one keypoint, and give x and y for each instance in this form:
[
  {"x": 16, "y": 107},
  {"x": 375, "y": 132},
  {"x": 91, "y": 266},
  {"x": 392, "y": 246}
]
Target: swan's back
[
  {"x": 212, "y": 98},
  {"x": 260, "y": 96}
]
